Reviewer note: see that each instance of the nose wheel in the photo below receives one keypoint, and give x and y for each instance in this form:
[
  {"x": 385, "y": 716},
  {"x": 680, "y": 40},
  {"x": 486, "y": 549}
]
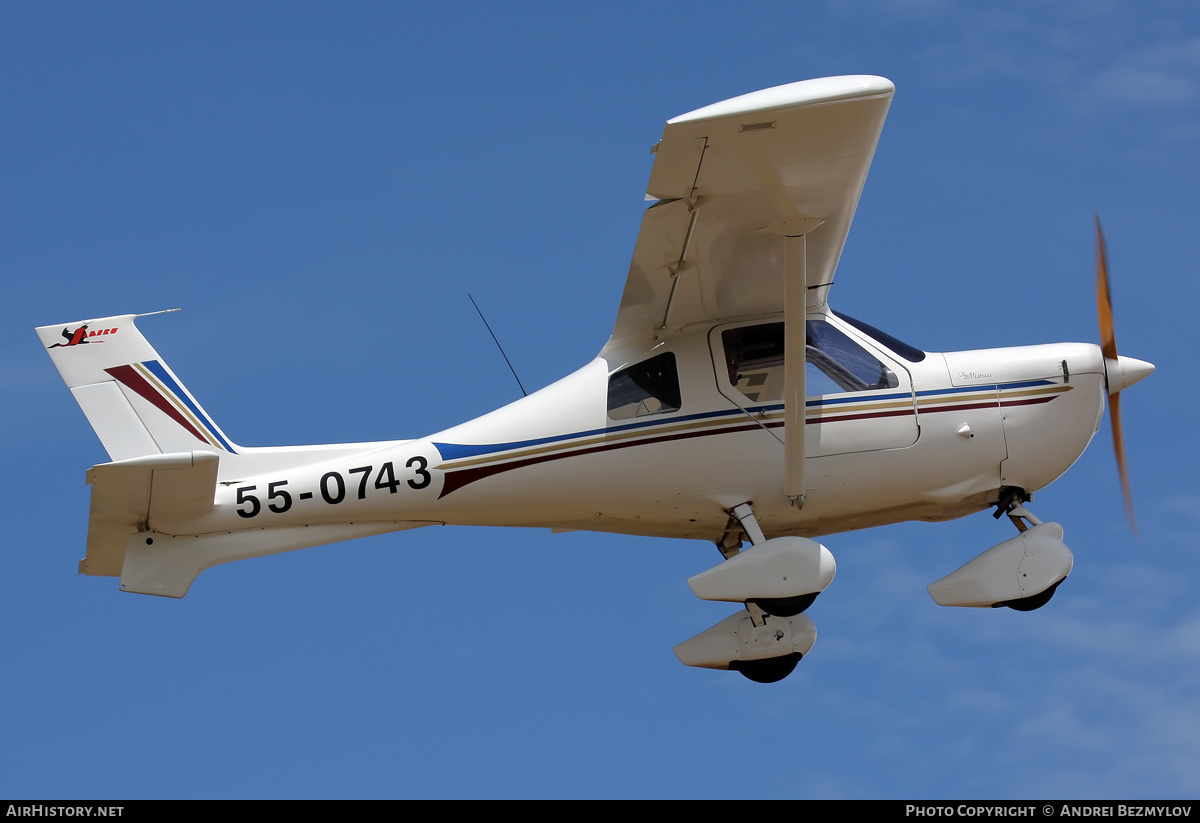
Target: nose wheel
[{"x": 1028, "y": 604}]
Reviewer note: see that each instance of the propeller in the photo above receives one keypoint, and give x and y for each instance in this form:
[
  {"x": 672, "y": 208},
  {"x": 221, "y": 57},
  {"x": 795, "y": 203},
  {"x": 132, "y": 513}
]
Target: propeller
[{"x": 1121, "y": 372}]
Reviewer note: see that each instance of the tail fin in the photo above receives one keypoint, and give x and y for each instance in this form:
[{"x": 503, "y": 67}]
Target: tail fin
[{"x": 135, "y": 403}]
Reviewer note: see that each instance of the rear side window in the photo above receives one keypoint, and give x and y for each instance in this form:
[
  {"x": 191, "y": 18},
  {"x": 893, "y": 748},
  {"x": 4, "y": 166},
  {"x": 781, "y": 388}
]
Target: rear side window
[{"x": 649, "y": 387}]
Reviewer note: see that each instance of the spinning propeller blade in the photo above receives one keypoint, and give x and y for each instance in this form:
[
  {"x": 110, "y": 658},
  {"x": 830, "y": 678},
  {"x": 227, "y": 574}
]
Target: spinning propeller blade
[{"x": 1121, "y": 372}]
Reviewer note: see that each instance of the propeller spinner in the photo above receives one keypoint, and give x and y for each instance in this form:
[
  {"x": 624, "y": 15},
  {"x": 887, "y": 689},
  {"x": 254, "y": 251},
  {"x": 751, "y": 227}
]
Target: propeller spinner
[{"x": 1121, "y": 372}]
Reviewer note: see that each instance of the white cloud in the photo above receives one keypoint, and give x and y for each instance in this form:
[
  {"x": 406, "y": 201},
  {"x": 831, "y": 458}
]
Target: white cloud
[{"x": 1138, "y": 87}]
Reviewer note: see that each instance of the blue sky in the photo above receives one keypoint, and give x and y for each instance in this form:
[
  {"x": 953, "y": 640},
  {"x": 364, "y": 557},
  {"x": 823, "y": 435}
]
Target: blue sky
[{"x": 319, "y": 186}]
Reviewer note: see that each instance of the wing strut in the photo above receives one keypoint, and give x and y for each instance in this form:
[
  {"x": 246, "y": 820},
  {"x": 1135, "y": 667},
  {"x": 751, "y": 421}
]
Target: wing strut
[{"x": 795, "y": 315}]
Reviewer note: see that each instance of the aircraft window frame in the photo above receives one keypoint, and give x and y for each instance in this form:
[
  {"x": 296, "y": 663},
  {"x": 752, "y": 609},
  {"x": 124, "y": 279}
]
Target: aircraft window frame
[
  {"x": 838, "y": 364},
  {"x": 856, "y": 364},
  {"x": 898, "y": 347},
  {"x": 648, "y": 387}
]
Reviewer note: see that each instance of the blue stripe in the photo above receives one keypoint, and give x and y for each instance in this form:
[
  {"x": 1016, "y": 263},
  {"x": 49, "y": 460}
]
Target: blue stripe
[
  {"x": 1026, "y": 384},
  {"x": 858, "y": 398},
  {"x": 965, "y": 389},
  {"x": 988, "y": 386},
  {"x": 181, "y": 393},
  {"x": 455, "y": 451}
]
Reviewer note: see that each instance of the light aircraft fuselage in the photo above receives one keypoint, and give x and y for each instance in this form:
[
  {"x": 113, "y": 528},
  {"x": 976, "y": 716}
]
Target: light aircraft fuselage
[{"x": 932, "y": 448}]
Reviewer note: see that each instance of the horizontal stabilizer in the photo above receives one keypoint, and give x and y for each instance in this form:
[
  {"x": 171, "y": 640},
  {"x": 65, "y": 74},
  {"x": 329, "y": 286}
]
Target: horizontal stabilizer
[{"x": 130, "y": 496}]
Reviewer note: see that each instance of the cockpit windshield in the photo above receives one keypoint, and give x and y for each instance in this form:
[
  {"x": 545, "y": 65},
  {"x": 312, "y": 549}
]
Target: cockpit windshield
[{"x": 909, "y": 353}]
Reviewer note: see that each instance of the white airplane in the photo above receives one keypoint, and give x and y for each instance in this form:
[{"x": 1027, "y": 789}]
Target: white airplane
[{"x": 696, "y": 420}]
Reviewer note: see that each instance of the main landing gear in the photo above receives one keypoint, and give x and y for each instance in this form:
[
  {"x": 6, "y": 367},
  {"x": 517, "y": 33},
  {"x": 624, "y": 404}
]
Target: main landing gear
[{"x": 776, "y": 580}]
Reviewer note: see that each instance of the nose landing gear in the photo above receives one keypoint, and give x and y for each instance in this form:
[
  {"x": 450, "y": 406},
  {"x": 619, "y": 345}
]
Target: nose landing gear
[{"x": 1021, "y": 573}]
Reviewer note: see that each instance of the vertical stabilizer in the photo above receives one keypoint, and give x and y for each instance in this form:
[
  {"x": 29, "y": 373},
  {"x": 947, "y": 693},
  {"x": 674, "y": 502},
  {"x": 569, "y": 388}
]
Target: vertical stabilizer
[{"x": 135, "y": 403}]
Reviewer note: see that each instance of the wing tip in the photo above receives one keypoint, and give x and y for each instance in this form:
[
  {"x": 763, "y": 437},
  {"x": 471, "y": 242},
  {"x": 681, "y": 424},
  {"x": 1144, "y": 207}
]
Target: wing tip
[{"x": 794, "y": 95}]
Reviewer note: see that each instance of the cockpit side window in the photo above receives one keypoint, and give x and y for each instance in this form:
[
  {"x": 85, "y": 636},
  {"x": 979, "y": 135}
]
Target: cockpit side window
[
  {"x": 835, "y": 363},
  {"x": 649, "y": 387},
  {"x": 843, "y": 361}
]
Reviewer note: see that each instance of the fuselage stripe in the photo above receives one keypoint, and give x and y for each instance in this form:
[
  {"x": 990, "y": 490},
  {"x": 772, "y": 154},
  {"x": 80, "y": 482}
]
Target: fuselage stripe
[
  {"x": 455, "y": 480},
  {"x": 486, "y": 460}
]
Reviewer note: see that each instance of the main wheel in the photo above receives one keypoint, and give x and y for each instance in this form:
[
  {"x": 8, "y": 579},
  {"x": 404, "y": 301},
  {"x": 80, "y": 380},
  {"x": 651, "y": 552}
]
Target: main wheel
[
  {"x": 771, "y": 670},
  {"x": 786, "y": 606}
]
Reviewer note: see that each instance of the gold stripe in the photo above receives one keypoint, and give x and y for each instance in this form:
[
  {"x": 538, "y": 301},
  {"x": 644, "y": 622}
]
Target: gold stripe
[
  {"x": 956, "y": 398},
  {"x": 572, "y": 444},
  {"x": 1032, "y": 392},
  {"x": 1001, "y": 394},
  {"x": 813, "y": 412},
  {"x": 179, "y": 407},
  {"x": 819, "y": 412}
]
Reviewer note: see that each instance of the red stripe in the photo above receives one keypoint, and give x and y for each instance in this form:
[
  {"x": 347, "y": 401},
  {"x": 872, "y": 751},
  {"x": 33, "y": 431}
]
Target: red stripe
[
  {"x": 455, "y": 480},
  {"x": 863, "y": 416},
  {"x": 129, "y": 376},
  {"x": 989, "y": 404},
  {"x": 1030, "y": 402}
]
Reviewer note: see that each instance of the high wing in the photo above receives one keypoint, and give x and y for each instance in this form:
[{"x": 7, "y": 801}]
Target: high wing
[{"x": 731, "y": 180}]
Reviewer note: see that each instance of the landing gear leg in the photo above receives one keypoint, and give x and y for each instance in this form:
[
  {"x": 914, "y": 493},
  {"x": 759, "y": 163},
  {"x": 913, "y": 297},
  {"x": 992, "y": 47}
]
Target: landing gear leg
[
  {"x": 1010, "y": 503},
  {"x": 1019, "y": 514},
  {"x": 749, "y": 523},
  {"x": 731, "y": 541}
]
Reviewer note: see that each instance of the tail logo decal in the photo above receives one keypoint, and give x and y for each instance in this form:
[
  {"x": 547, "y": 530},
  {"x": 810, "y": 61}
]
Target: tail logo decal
[
  {"x": 153, "y": 382},
  {"x": 80, "y": 336}
]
